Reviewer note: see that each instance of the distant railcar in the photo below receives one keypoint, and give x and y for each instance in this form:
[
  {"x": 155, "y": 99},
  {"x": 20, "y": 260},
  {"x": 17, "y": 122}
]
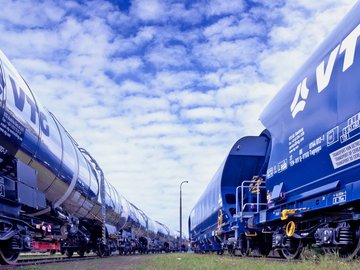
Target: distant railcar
[{"x": 212, "y": 219}]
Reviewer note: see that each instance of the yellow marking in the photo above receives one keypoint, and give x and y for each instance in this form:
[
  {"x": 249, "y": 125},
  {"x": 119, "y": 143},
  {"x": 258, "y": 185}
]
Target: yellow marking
[
  {"x": 286, "y": 212},
  {"x": 220, "y": 221},
  {"x": 290, "y": 229}
]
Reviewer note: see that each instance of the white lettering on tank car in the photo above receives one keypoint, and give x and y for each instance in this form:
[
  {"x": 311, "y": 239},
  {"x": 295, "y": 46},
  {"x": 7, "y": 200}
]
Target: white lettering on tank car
[
  {"x": 282, "y": 166},
  {"x": 324, "y": 71},
  {"x": 270, "y": 173},
  {"x": 339, "y": 197},
  {"x": 296, "y": 139},
  {"x": 346, "y": 154},
  {"x": 3, "y": 150},
  {"x": 323, "y": 74},
  {"x": 351, "y": 129},
  {"x": 332, "y": 136},
  {"x": 316, "y": 142},
  {"x": 276, "y": 212}
]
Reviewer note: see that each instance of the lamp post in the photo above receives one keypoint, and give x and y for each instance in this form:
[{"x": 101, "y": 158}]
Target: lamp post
[{"x": 180, "y": 240}]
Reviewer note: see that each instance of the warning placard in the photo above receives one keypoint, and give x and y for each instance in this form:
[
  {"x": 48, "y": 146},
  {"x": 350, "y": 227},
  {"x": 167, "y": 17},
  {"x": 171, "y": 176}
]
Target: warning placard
[{"x": 346, "y": 154}]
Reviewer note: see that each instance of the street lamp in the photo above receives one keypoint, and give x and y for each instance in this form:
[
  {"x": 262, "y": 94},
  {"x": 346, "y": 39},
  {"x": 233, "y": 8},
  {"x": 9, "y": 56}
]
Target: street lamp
[{"x": 180, "y": 241}]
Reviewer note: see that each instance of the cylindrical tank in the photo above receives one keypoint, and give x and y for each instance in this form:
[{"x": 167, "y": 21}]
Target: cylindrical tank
[
  {"x": 138, "y": 222},
  {"x": 152, "y": 228},
  {"x": 30, "y": 133},
  {"x": 163, "y": 231}
]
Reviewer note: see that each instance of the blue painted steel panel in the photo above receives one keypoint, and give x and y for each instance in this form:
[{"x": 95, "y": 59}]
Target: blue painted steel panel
[
  {"x": 209, "y": 202},
  {"x": 245, "y": 160},
  {"x": 314, "y": 120}
]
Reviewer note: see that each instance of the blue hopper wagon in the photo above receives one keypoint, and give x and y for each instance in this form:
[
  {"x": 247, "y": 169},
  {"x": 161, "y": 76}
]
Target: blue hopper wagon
[{"x": 304, "y": 188}]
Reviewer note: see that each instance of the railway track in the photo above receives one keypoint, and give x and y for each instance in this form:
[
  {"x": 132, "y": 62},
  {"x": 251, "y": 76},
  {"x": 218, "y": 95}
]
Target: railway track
[
  {"x": 273, "y": 257},
  {"x": 29, "y": 260},
  {"x": 268, "y": 258},
  {"x": 33, "y": 260},
  {"x": 24, "y": 261}
]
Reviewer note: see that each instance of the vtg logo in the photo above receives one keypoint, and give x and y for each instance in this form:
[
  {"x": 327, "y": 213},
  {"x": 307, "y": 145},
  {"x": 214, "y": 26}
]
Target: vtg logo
[
  {"x": 299, "y": 101},
  {"x": 323, "y": 73},
  {"x": 19, "y": 100}
]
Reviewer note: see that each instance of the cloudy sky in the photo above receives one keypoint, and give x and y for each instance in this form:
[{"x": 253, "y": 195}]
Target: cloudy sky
[{"x": 157, "y": 90}]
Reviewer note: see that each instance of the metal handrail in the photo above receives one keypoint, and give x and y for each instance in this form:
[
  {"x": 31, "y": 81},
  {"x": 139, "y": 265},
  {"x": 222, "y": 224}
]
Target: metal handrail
[
  {"x": 257, "y": 187},
  {"x": 246, "y": 204}
]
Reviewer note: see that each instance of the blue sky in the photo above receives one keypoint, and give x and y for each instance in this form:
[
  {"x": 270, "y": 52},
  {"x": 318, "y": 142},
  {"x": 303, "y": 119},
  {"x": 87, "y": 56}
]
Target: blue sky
[{"x": 158, "y": 91}]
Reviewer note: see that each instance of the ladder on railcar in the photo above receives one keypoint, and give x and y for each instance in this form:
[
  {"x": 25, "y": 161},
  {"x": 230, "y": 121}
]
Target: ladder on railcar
[{"x": 251, "y": 193}]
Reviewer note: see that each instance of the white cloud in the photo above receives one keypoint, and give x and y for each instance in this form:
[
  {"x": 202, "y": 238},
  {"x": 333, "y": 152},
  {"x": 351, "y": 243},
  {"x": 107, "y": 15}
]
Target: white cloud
[
  {"x": 188, "y": 98},
  {"x": 229, "y": 53},
  {"x": 244, "y": 93},
  {"x": 155, "y": 117},
  {"x": 202, "y": 113},
  {"x": 179, "y": 12},
  {"x": 163, "y": 57},
  {"x": 28, "y": 14},
  {"x": 213, "y": 126},
  {"x": 124, "y": 65},
  {"x": 274, "y": 65},
  {"x": 149, "y": 10},
  {"x": 144, "y": 104},
  {"x": 219, "y": 7},
  {"x": 233, "y": 28},
  {"x": 40, "y": 66},
  {"x": 132, "y": 87},
  {"x": 173, "y": 80}
]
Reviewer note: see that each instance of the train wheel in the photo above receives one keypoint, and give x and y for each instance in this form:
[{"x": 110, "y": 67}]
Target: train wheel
[
  {"x": 249, "y": 246},
  {"x": 264, "y": 246},
  {"x": 351, "y": 251},
  {"x": 101, "y": 250},
  {"x": 8, "y": 256},
  {"x": 242, "y": 247},
  {"x": 231, "y": 251},
  {"x": 69, "y": 253},
  {"x": 81, "y": 252},
  {"x": 220, "y": 252},
  {"x": 294, "y": 250},
  {"x": 264, "y": 249}
]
